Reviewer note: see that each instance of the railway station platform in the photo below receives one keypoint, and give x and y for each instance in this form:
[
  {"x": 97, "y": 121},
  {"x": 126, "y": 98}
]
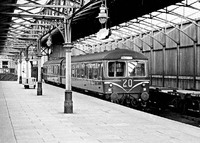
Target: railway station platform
[{"x": 28, "y": 118}]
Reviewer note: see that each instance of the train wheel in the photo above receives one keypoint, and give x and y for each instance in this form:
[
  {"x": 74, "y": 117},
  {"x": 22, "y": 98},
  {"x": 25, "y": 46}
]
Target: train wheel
[
  {"x": 134, "y": 103},
  {"x": 115, "y": 101},
  {"x": 143, "y": 104},
  {"x": 107, "y": 97},
  {"x": 175, "y": 103},
  {"x": 128, "y": 101}
]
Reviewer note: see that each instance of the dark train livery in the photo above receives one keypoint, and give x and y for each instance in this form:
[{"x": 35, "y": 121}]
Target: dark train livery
[{"x": 120, "y": 75}]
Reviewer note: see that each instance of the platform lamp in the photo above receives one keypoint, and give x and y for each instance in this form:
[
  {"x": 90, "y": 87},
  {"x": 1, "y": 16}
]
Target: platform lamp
[
  {"x": 103, "y": 18},
  {"x": 103, "y": 14},
  {"x": 49, "y": 41}
]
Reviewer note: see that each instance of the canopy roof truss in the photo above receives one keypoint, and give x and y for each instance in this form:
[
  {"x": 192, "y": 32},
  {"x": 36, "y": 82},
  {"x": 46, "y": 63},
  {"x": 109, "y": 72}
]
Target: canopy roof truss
[
  {"x": 32, "y": 19},
  {"x": 171, "y": 16}
]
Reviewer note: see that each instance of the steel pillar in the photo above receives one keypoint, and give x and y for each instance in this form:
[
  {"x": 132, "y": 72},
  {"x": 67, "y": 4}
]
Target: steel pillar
[
  {"x": 39, "y": 87},
  {"x": 68, "y": 103},
  {"x": 20, "y": 67}
]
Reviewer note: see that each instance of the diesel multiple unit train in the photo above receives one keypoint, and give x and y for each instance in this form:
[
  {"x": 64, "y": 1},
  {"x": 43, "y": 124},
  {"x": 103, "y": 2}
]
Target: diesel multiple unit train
[{"x": 120, "y": 75}]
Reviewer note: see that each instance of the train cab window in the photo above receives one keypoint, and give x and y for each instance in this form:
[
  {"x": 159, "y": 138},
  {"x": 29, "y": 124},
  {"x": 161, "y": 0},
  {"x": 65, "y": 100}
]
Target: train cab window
[
  {"x": 136, "y": 68},
  {"x": 116, "y": 69},
  {"x": 120, "y": 69},
  {"x": 111, "y": 69}
]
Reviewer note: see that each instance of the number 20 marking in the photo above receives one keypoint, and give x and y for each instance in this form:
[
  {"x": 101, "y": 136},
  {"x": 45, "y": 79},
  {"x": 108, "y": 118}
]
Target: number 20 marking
[{"x": 127, "y": 83}]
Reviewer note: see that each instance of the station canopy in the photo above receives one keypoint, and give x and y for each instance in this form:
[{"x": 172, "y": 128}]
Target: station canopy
[{"x": 126, "y": 18}]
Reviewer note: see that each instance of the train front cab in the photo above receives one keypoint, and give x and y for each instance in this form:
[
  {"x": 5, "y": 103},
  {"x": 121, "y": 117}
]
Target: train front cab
[{"x": 127, "y": 82}]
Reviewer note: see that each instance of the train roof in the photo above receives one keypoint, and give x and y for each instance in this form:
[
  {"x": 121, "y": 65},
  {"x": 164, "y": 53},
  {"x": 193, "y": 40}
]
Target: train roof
[
  {"x": 116, "y": 54},
  {"x": 57, "y": 61}
]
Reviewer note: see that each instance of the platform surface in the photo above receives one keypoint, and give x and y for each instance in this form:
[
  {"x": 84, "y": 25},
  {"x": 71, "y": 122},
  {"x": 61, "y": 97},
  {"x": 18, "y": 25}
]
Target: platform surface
[{"x": 28, "y": 118}]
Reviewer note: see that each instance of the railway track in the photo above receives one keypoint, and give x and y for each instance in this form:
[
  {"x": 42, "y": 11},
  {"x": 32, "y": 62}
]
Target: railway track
[
  {"x": 169, "y": 113},
  {"x": 192, "y": 119}
]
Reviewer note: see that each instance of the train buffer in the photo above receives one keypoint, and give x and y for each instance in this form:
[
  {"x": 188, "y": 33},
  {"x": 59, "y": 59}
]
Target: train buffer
[{"x": 29, "y": 82}]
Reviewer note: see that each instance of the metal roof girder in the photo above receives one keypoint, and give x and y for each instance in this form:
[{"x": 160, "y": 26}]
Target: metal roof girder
[
  {"x": 139, "y": 31},
  {"x": 188, "y": 5},
  {"x": 118, "y": 35},
  {"x": 124, "y": 29},
  {"x": 39, "y": 5},
  {"x": 96, "y": 41},
  {"x": 162, "y": 44},
  {"x": 123, "y": 32},
  {"x": 136, "y": 44},
  {"x": 169, "y": 37},
  {"x": 161, "y": 31},
  {"x": 151, "y": 25},
  {"x": 131, "y": 29},
  {"x": 140, "y": 38},
  {"x": 89, "y": 41},
  {"x": 170, "y": 23},
  {"x": 184, "y": 17},
  {"x": 133, "y": 24},
  {"x": 36, "y": 16}
]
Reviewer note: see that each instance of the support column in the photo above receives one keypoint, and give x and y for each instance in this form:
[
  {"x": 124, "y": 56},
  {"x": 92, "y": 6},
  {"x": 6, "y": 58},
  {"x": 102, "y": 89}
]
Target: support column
[
  {"x": 195, "y": 57},
  {"x": 20, "y": 67},
  {"x": 27, "y": 72},
  {"x": 68, "y": 103},
  {"x": 178, "y": 58},
  {"x": 164, "y": 45},
  {"x": 39, "y": 87}
]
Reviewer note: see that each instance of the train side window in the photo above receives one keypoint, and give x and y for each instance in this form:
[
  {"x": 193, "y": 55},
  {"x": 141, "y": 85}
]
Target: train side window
[
  {"x": 90, "y": 75},
  {"x": 111, "y": 69},
  {"x": 50, "y": 69},
  {"x": 63, "y": 70},
  {"x": 58, "y": 71},
  {"x": 100, "y": 70},
  {"x": 78, "y": 70},
  {"x": 82, "y": 70},
  {"x": 55, "y": 69},
  {"x": 86, "y": 70},
  {"x": 95, "y": 71},
  {"x": 73, "y": 70}
]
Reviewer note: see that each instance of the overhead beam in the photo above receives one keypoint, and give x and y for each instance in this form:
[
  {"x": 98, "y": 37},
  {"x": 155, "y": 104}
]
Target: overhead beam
[
  {"x": 42, "y": 6},
  {"x": 34, "y": 24},
  {"x": 36, "y": 16},
  {"x": 20, "y": 38}
]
